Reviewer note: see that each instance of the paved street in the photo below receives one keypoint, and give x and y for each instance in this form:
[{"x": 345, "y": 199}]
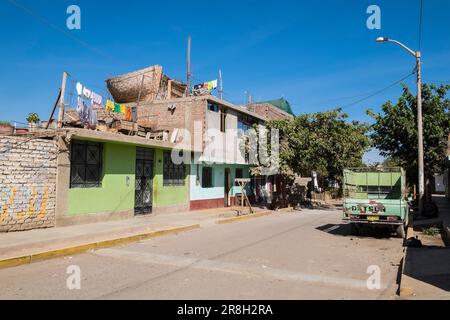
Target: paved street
[{"x": 299, "y": 255}]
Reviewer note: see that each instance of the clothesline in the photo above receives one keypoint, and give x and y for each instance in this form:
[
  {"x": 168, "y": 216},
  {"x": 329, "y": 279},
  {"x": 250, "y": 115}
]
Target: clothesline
[{"x": 87, "y": 101}]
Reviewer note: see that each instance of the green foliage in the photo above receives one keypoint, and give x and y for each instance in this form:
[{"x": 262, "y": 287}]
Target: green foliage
[
  {"x": 324, "y": 142},
  {"x": 5, "y": 123},
  {"x": 395, "y": 130},
  {"x": 33, "y": 118}
]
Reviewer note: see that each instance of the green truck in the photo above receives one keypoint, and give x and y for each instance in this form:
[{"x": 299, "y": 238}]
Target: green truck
[{"x": 377, "y": 198}]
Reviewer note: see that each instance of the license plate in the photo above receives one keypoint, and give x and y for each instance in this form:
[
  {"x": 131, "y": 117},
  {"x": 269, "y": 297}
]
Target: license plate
[{"x": 373, "y": 218}]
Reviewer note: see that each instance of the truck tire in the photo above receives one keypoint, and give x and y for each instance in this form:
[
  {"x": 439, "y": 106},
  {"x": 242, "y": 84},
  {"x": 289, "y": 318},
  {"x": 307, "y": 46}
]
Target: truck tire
[{"x": 400, "y": 231}]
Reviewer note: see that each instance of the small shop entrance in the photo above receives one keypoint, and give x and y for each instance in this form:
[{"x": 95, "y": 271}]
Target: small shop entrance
[{"x": 144, "y": 182}]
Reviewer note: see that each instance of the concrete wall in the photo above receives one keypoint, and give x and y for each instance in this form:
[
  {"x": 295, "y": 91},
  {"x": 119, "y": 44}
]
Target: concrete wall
[
  {"x": 27, "y": 183},
  {"x": 222, "y": 147}
]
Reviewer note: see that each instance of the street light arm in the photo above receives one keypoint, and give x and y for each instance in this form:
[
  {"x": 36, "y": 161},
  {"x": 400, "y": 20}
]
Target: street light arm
[{"x": 403, "y": 46}]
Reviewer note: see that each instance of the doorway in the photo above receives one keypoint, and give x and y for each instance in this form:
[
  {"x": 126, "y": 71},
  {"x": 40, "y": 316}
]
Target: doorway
[
  {"x": 143, "y": 202},
  {"x": 227, "y": 187}
]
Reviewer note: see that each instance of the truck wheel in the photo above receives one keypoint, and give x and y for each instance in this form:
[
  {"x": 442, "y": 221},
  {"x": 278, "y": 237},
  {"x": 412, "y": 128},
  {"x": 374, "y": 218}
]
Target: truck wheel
[
  {"x": 401, "y": 231},
  {"x": 354, "y": 229}
]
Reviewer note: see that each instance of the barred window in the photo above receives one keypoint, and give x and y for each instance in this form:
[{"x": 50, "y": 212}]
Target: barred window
[
  {"x": 207, "y": 177},
  {"x": 173, "y": 174},
  {"x": 86, "y": 164}
]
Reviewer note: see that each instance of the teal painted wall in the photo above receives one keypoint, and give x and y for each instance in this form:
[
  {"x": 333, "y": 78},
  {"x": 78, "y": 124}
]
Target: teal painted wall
[
  {"x": 168, "y": 195},
  {"x": 217, "y": 191},
  {"x": 114, "y": 195}
]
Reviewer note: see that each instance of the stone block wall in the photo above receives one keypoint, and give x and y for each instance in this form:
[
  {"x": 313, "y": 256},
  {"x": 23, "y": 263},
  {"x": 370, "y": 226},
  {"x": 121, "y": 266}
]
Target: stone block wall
[{"x": 27, "y": 183}]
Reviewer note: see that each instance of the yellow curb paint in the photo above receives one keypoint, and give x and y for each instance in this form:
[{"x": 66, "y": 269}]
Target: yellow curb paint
[
  {"x": 410, "y": 232},
  {"x": 242, "y": 218},
  {"x": 406, "y": 292},
  {"x": 14, "y": 262}
]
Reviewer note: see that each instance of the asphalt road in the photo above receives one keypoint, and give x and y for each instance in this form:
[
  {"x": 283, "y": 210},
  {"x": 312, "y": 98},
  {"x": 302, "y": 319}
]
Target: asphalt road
[{"x": 299, "y": 255}]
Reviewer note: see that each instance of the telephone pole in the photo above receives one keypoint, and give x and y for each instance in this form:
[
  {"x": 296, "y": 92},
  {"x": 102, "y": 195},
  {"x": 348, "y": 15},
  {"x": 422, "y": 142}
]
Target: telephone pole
[
  {"x": 220, "y": 85},
  {"x": 189, "y": 65}
]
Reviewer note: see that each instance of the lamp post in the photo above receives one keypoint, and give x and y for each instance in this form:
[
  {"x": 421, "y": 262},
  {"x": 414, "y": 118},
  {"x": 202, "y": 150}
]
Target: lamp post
[{"x": 417, "y": 55}]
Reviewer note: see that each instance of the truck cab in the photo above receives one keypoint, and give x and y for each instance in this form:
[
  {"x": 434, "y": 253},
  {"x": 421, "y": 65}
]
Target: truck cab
[{"x": 377, "y": 198}]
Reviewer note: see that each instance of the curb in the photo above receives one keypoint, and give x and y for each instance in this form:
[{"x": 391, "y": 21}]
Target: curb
[
  {"x": 447, "y": 235},
  {"x": 243, "y": 218},
  {"x": 51, "y": 254},
  {"x": 403, "y": 291}
]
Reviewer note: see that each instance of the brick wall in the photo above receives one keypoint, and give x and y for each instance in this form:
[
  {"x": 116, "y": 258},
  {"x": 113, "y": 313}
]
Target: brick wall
[
  {"x": 269, "y": 111},
  {"x": 158, "y": 116},
  {"x": 27, "y": 183}
]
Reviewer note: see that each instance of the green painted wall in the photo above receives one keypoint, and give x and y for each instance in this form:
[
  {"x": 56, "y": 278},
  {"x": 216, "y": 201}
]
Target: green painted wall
[
  {"x": 168, "y": 196},
  {"x": 114, "y": 195}
]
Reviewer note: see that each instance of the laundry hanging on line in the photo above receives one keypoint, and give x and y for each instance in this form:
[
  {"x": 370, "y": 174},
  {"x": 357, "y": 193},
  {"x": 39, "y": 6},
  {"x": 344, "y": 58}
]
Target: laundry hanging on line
[
  {"x": 85, "y": 92},
  {"x": 109, "y": 105},
  {"x": 96, "y": 99},
  {"x": 211, "y": 85},
  {"x": 128, "y": 114}
]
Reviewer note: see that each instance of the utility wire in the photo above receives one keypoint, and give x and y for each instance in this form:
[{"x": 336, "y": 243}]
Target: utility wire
[
  {"x": 366, "y": 95},
  {"x": 59, "y": 29},
  {"x": 379, "y": 91}
]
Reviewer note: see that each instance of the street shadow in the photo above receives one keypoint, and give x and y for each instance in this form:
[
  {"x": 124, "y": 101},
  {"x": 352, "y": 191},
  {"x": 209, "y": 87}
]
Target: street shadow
[
  {"x": 429, "y": 265},
  {"x": 344, "y": 230}
]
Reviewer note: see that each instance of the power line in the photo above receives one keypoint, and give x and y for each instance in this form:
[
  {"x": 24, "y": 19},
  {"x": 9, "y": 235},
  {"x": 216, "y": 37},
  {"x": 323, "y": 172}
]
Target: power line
[
  {"x": 366, "y": 95},
  {"x": 61, "y": 30},
  {"x": 379, "y": 91},
  {"x": 439, "y": 81}
]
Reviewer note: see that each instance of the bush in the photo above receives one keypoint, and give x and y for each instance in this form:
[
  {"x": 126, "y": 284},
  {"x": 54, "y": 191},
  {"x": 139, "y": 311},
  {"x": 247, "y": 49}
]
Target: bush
[{"x": 33, "y": 118}]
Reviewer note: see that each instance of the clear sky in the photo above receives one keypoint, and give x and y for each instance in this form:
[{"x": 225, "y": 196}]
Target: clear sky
[{"x": 317, "y": 54}]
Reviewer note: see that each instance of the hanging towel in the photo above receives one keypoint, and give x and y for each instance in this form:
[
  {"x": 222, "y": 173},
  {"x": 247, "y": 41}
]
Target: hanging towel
[
  {"x": 87, "y": 93},
  {"x": 83, "y": 111},
  {"x": 116, "y": 107},
  {"x": 92, "y": 118},
  {"x": 212, "y": 85},
  {"x": 96, "y": 99},
  {"x": 122, "y": 108},
  {"x": 128, "y": 116},
  {"x": 79, "y": 89},
  {"x": 109, "y": 106}
]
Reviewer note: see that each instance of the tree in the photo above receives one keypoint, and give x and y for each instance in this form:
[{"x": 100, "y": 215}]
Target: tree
[
  {"x": 394, "y": 132},
  {"x": 324, "y": 142}
]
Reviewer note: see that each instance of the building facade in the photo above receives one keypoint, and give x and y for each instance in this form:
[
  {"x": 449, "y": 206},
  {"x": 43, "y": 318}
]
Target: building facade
[{"x": 212, "y": 128}]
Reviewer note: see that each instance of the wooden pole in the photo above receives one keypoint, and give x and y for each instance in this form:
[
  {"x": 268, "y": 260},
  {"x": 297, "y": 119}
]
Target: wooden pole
[
  {"x": 169, "y": 89},
  {"x": 137, "y": 103},
  {"x": 61, "y": 102},
  {"x": 54, "y": 109}
]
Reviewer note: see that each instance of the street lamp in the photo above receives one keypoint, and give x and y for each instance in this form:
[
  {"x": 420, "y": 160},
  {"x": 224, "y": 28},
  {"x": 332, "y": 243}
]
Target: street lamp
[{"x": 417, "y": 55}]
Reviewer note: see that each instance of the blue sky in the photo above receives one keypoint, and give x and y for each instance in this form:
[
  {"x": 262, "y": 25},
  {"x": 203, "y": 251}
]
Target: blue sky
[{"x": 317, "y": 54}]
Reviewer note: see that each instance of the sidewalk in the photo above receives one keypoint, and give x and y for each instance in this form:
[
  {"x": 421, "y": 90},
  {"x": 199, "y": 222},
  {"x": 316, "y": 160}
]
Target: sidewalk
[
  {"x": 25, "y": 247},
  {"x": 426, "y": 272}
]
